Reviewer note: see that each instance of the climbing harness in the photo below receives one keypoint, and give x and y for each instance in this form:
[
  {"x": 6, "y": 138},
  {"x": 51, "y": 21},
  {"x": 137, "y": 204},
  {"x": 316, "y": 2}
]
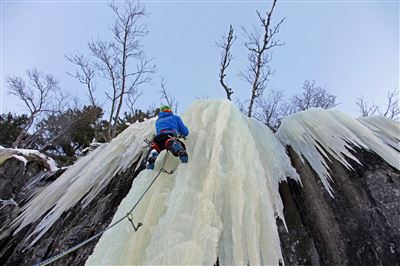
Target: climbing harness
[{"x": 129, "y": 216}]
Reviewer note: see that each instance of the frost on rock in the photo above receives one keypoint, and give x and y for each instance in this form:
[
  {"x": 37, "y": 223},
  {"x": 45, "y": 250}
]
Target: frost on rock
[
  {"x": 82, "y": 181},
  {"x": 317, "y": 133},
  {"x": 223, "y": 203}
]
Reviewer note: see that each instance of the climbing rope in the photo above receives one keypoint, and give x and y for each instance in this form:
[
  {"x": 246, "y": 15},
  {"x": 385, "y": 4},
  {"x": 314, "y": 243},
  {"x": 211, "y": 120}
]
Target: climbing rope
[{"x": 129, "y": 216}]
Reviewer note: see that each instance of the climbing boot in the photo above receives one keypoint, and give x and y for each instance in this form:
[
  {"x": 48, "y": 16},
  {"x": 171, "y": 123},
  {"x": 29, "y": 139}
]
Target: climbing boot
[
  {"x": 151, "y": 159},
  {"x": 183, "y": 156}
]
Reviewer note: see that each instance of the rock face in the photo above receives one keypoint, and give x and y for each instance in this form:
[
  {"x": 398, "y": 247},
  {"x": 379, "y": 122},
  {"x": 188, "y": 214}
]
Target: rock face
[
  {"x": 19, "y": 181},
  {"x": 76, "y": 225},
  {"x": 360, "y": 226},
  {"x": 357, "y": 222}
]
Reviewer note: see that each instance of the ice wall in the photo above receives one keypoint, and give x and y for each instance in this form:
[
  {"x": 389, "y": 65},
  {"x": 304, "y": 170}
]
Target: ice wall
[
  {"x": 317, "y": 133},
  {"x": 223, "y": 203},
  {"x": 84, "y": 179}
]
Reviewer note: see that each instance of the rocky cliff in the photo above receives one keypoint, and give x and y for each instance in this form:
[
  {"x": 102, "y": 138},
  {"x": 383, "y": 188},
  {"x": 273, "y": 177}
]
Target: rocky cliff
[
  {"x": 359, "y": 226},
  {"x": 349, "y": 217}
]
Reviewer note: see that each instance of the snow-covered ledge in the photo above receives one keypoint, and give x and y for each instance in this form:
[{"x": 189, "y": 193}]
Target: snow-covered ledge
[{"x": 26, "y": 155}]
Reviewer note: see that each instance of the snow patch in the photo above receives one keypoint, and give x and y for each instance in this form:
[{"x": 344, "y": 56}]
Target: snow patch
[
  {"x": 25, "y": 155},
  {"x": 21, "y": 158}
]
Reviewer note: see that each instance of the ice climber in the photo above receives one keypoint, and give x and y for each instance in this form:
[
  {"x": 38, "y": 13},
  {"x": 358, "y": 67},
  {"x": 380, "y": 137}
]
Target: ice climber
[{"x": 169, "y": 128}]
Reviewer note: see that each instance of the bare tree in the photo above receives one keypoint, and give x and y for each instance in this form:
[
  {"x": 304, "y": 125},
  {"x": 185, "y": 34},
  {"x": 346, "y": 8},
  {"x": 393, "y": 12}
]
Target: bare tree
[
  {"x": 132, "y": 98},
  {"x": 271, "y": 109},
  {"x": 312, "y": 97},
  {"x": 241, "y": 105},
  {"x": 225, "y": 44},
  {"x": 259, "y": 43},
  {"x": 167, "y": 97},
  {"x": 390, "y": 110},
  {"x": 364, "y": 108},
  {"x": 116, "y": 57},
  {"x": 36, "y": 96},
  {"x": 85, "y": 74}
]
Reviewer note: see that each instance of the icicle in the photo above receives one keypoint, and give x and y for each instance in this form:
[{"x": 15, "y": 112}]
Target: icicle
[
  {"x": 221, "y": 204},
  {"x": 318, "y": 133},
  {"x": 84, "y": 180}
]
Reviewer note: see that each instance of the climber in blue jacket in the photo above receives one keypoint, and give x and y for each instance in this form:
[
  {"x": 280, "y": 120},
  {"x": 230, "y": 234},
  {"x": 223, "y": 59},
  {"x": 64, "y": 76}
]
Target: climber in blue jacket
[{"x": 169, "y": 128}]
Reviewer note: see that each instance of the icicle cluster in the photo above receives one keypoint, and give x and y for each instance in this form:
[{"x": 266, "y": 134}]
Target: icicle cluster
[
  {"x": 223, "y": 203},
  {"x": 84, "y": 179},
  {"x": 386, "y": 129},
  {"x": 317, "y": 134}
]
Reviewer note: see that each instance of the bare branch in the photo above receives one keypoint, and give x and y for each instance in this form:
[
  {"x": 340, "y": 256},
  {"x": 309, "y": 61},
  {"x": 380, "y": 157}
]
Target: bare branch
[
  {"x": 271, "y": 110},
  {"x": 313, "y": 97},
  {"x": 364, "y": 108},
  {"x": 169, "y": 99},
  {"x": 85, "y": 74},
  {"x": 37, "y": 97},
  {"x": 259, "y": 43},
  {"x": 392, "y": 109},
  {"x": 131, "y": 100},
  {"x": 241, "y": 105},
  {"x": 225, "y": 44}
]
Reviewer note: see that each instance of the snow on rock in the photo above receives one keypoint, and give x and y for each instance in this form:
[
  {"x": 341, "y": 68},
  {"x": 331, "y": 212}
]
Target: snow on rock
[
  {"x": 84, "y": 179},
  {"x": 25, "y": 155},
  {"x": 223, "y": 203},
  {"x": 317, "y": 133},
  {"x": 21, "y": 158}
]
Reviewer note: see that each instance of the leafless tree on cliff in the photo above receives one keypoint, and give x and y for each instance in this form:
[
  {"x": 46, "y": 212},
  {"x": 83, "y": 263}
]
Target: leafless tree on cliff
[
  {"x": 390, "y": 110},
  {"x": 312, "y": 97},
  {"x": 85, "y": 74},
  {"x": 364, "y": 108},
  {"x": 167, "y": 97},
  {"x": 259, "y": 44},
  {"x": 122, "y": 61},
  {"x": 225, "y": 43},
  {"x": 271, "y": 109},
  {"x": 37, "y": 95}
]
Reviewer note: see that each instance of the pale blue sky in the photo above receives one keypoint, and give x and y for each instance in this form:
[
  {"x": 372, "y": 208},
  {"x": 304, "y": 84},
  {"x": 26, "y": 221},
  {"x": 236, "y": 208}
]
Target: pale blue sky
[{"x": 349, "y": 47}]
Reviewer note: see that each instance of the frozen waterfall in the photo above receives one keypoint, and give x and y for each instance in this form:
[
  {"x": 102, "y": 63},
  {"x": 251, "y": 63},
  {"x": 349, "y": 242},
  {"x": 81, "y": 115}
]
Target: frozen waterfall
[{"x": 222, "y": 204}]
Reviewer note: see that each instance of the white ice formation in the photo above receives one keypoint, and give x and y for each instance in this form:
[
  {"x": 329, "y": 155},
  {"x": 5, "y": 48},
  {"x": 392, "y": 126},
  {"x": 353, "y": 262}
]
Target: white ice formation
[
  {"x": 317, "y": 133},
  {"x": 222, "y": 204},
  {"x": 386, "y": 129},
  {"x": 84, "y": 179}
]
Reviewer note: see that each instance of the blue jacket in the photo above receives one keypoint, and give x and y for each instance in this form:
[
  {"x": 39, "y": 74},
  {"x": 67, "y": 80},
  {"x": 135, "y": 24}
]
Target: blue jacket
[{"x": 170, "y": 123}]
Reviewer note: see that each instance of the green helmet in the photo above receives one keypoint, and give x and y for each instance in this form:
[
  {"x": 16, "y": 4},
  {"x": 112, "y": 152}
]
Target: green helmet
[{"x": 165, "y": 108}]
